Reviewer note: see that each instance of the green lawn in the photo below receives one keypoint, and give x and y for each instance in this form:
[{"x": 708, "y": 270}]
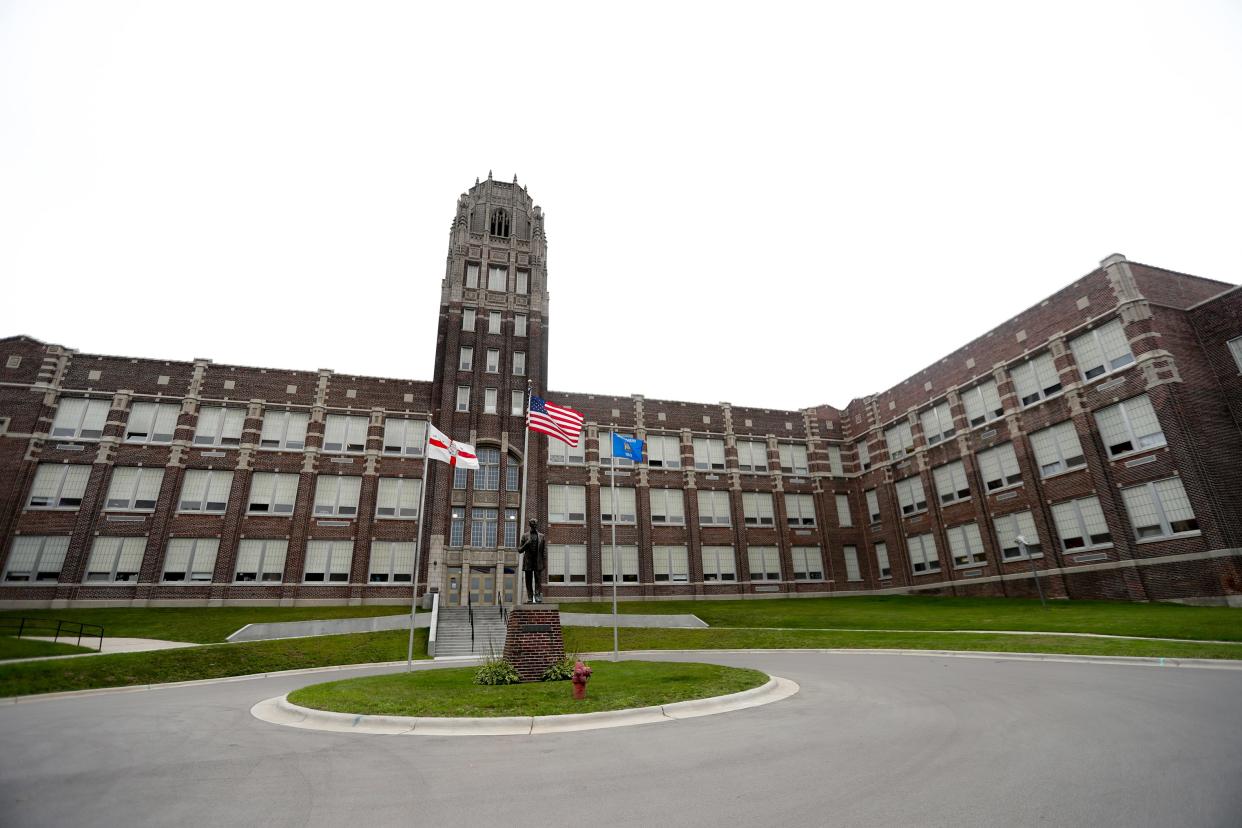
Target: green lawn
[
  {"x": 29, "y": 648},
  {"x": 613, "y": 686},
  {"x": 902, "y": 612}
]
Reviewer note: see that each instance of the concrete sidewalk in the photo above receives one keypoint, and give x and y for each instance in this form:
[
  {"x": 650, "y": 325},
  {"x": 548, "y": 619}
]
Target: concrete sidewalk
[{"x": 110, "y": 646}]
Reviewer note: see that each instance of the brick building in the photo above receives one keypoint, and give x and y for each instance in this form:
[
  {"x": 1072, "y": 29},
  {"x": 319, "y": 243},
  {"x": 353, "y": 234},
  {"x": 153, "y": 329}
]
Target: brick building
[{"x": 1103, "y": 425}]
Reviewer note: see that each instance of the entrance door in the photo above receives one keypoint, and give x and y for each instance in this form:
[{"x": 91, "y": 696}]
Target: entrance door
[
  {"x": 482, "y": 586},
  {"x": 510, "y": 583},
  {"x": 454, "y": 586}
]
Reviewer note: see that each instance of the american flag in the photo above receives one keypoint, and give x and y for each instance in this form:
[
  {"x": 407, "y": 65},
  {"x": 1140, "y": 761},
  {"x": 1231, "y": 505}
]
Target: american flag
[{"x": 557, "y": 421}]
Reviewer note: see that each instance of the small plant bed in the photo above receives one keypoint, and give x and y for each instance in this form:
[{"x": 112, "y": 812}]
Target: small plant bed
[
  {"x": 11, "y": 648},
  {"x": 452, "y": 692}
]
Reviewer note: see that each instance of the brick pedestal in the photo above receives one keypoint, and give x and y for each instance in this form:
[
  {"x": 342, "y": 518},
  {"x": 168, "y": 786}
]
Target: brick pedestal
[{"x": 533, "y": 640}]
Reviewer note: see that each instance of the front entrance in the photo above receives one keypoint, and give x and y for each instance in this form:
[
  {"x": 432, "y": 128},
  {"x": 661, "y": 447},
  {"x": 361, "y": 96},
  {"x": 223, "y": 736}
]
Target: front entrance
[{"x": 482, "y": 586}]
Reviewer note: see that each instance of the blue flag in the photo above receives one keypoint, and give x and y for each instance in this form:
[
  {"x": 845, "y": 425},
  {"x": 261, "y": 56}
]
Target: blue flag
[{"x": 630, "y": 448}]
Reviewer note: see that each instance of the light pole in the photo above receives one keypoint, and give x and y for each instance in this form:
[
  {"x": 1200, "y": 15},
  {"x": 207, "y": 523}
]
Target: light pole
[{"x": 1034, "y": 572}]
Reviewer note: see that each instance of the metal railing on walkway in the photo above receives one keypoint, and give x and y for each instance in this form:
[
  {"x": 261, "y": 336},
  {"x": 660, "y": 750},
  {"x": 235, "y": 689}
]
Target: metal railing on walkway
[{"x": 54, "y": 628}]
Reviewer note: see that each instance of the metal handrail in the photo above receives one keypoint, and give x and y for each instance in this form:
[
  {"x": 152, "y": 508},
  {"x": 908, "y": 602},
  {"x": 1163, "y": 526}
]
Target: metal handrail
[
  {"x": 69, "y": 629},
  {"x": 470, "y": 611}
]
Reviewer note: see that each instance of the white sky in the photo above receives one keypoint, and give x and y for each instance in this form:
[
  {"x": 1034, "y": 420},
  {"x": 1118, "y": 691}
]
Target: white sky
[{"x": 830, "y": 196}]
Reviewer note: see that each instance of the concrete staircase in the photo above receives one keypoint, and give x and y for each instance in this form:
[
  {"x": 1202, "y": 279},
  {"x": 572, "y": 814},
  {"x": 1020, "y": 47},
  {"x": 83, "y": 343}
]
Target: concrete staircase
[{"x": 453, "y": 632}]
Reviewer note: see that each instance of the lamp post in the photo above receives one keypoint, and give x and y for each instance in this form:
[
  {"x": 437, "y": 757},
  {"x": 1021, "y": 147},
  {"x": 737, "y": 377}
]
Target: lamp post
[{"x": 1034, "y": 572}]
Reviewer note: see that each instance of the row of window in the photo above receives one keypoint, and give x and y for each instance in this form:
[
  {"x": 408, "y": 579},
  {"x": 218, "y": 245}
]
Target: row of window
[
  {"x": 517, "y": 400},
  {"x": 567, "y": 564},
  {"x": 567, "y": 504},
  {"x": 470, "y": 317},
  {"x": 498, "y": 280},
  {"x": 708, "y": 454},
  {"x": 465, "y": 361}
]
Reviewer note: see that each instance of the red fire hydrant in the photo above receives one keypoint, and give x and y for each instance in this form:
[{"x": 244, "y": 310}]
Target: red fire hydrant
[{"x": 582, "y": 674}]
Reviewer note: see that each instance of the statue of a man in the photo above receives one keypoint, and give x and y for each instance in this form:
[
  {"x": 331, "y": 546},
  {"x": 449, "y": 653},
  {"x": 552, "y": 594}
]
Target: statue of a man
[{"x": 534, "y": 549}]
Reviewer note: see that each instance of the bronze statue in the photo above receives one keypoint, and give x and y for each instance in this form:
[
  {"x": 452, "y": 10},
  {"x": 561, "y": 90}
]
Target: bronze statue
[{"x": 534, "y": 549}]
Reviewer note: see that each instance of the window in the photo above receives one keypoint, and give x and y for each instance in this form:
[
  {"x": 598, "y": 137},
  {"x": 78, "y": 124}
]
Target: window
[
  {"x": 1009, "y": 528},
  {"x": 489, "y": 400},
  {"x": 328, "y": 561},
  {"x": 459, "y": 478},
  {"x": 606, "y": 457},
  {"x": 81, "y": 419},
  {"x": 757, "y": 509},
  {"x": 468, "y": 315},
  {"x": 923, "y": 556},
  {"x": 404, "y": 437},
  {"x": 152, "y": 423},
  {"x": 513, "y": 475},
  {"x": 519, "y": 324},
  {"x": 752, "y": 456},
  {"x": 982, "y": 403},
  {"x": 205, "y": 491},
  {"x": 765, "y": 563},
  {"x": 493, "y": 361},
  {"x": 483, "y": 528},
  {"x": 566, "y": 564},
  {"x": 115, "y": 559},
  {"x": 793, "y": 458},
  {"x": 472, "y": 275},
  {"x": 808, "y": 563},
  {"x": 487, "y": 477},
  {"x": 999, "y": 467},
  {"x": 863, "y": 454},
  {"x": 719, "y": 563},
  {"x": 937, "y": 424},
  {"x": 511, "y": 528},
  {"x": 463, "y": 398},
  {"x": 219, "y": 426},
  {"x": 337, "y": 496},
  {"x": 457, "y": 526},
  {"x": 663, "y": 451},
  {"x": 1102, "y": 350},
  {"x": 465, "y": 358},
  {"x": 799, "y": 510},
  {"x": 519, "y": 363},
  {"x": 910, "y": 495},
  {"x": 881, "y": 560},
  {"x": 667, "y": 507},
  {"x": 566, "y": 504},
  {"x": 1081, "y": 524},
  {"x": 627, "y": 562},
  {"x": 1130, "y": 425},
  {"x": 873, "y": 505},
  {"x": 1235, "y": 348},
  {"x": 562, "y": 454},
  {"x": 134, "y": 489},
  {"x": 272, "y": 494},
  {"x": 1159, "y": 509},
  {"x": 1057, "y": 449},
  {"x": 714, "y": 508},
  {"x": 392, "y": 562},
  {"x": 345, "y": 433},
  {"x": 398, "y": 498},
  {"x": 845, "y": 517},
  {"x": 1036, "y": 379},
  {"x": 261, "y": 560},
  {"x": 523, "y": 281},
  {"x": 517, "y": 403},
  {"x": 190, "y": 560},
  {"x": 951, "y": 483},
  {"x": 36, "y": 558},
  {"x": 58, "y": 486},
  {"x": 852, "y": 571},
  {"x": 283, "y": 430},
  {"x": 499, "y": 225},
  {"x": 493, "y": 323},
  {"x": 625, "y": 511},
  {"x": 834, "y": 461},
  {"x": 497, "y": 278},
  {"x": 966, "y": 545},
  {"x": 709, "y": 453},
  {"x": 671, "y": 564},
  {"x": 899, "y": 440}
]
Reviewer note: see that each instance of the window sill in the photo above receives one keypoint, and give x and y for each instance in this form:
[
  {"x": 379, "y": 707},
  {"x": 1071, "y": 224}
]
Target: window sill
[
  {"x": 389, "y": 517},
  {"x": 51, "y": 508},
  {"x": 970, "y": 565},
  {"x": 1041, "y": 400},
  {"x": 915, "y": 513},
  {"x": 1004, "y": 489},
  {"x": 944, "y": 504},
  {"x": 271, "y": 514},
  {"x": 1077, "y": 549},
  {"x": 256, "y": 583},
  {"x": 1112, "y": 372},
  {"x": 1082, "y": 467},
  {"x": 208, "y": 514},
  {"x": 1021, "y": 558},
  {"x": 129, "y": 511},
  {"x": 1194, "y": 533},
  {"x": 1136, "y": 452}
]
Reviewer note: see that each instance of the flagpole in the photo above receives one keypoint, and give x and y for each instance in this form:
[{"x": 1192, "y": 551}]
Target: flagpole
[
  {"x": 517, "y": 573},
  {"x": 616, "y": 646},
  {"x": 418, "y": 547}
]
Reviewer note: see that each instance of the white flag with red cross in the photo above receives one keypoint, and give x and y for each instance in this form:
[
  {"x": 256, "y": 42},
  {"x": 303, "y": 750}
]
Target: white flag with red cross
[{"x": 440, "y": 447}]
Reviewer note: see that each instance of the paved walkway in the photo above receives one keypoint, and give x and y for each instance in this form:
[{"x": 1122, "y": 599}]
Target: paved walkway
[
  {"x": 110, "y": 646},
  {"x": 989, "y": 632}
]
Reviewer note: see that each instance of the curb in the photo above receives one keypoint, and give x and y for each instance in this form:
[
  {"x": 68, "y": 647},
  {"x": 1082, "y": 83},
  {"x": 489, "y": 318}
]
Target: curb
[{"x": 281, "y": 711}]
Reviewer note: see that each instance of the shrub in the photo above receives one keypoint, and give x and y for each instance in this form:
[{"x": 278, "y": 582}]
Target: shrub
[
  {"x": 497, "y": 671},
  {"x": 562, "y": 670}
]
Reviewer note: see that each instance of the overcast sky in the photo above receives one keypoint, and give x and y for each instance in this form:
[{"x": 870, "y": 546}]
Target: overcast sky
[{"x": 770, "y": 204}]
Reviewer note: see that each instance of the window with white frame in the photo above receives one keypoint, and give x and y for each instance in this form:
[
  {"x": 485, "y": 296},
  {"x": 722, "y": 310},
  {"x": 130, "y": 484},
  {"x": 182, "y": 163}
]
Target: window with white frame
[
  {"x": 115, "y": 559},
  {"x": 459, "y": 478},
  {"x": 465, "y": 358},
  {"x": 563, "y": 454},
  {"x": 566, "y": 503},
  {"x": 852, "y": 571},
  {"x": 668, "y": 507},
  {"x": 719, "y": 563},
  {"x": 519, "y": 363},
  {"x": 982, "y": 403},
  {"x": 937, "y": 423},
  {"x": 999, "y": 467},
  {"x": 709, "y": 453},
  {"x": 517, "y": 403},
  {"x": 1235, "y": 348},
  {"x": 219, "y": 426},
  {"x": 567, "y": 564},
  {"x": 626, "y": 512},
  {"x": 468, "y": 319},
  {"x": 1102, "y": 350},
  {"x": 757, "y": 509},
  {"x": 457, "y": 526},
  {"x": 284, "y": 430},
  {"x": 951, "y": 485},
  {"x": 834, "y": 461},
  {"x": 272, "y": 493},
  {"x": 519, "y": 324},
  {"x": 392, "y": 562},
  {"x": 328, "y": 561},
  {"x": 134, "y": 489},
  {"x": 36, "y": 558},
  {"x": 881, "y": 560},
  {"x": 873, "y": 505},
  {"x": 966, "y": 545},
  {"x": 1036, "y": 379},
  {"x": 1081, "y": 524},
  {"x": 1130, "y": 425},
  {"x": 799, "y": 509},
  {"x": 472, "y": 274},
  {"x": 152, "y": 423},
  {"x": 489, "y": 400},
  {"x": 523, "y": 281},
  {"x": 671, "y": 564},
  {"x": 793, "y": 458},
  {"x": 752, "y": 456},
  {"x": 463, "y": 398},
  {"x": 627, "y": 561},
  {"x": 714, "y": 508},
  {"x": 845, "y": 517},
  {"x": 483, "y": 527},
  {"x": 511, "y": 529},
  {"x": 81, "y": 419},
  {"x": 493, "y": 323},
  {"x": 663, "y": 451},
  {"x": 337, "y": 496},
  {"x": 808, "y": 563},
  {"x": 58, "y": 486},
  {"x": 404, "y": 437},
  {"x": 345, "y": 433},
  {"x": 190, "y": 560},
  {"x": 923, "y": 555},
  {"x": 1057, "y": 449},
  {"x": 497, "y": 278},
  {"x": 1009, "y": 528},
  {"x": 513, "y": 474},
  {"x": 910, "y": 495},
  {"x": 205, "y": 490},
  {"x": 1159, "y": 509},
  {"x": 487, "y": 476},
  {"x": 260, "y": 561},
  {"x": 606, "y": 458},
  {"x": 398, "y": 498},
  {"x": 765, "y": 563},
  {"x": 493, "y": 361},
  {"x": 863, "y": 454},
  {"x": 899, "y": 439}
]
